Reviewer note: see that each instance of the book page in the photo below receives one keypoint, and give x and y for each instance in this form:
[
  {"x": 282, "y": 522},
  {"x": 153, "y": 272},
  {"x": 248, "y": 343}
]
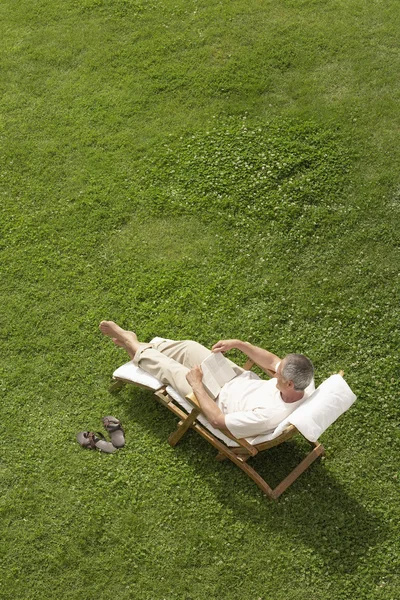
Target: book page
[
  {"x": 216, "y": 372},
  {"x": 209, "y": 382}
]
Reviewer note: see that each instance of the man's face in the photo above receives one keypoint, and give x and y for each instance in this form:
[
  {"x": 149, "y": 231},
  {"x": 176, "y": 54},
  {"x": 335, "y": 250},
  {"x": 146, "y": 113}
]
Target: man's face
[{"x": 282, "y": 384}]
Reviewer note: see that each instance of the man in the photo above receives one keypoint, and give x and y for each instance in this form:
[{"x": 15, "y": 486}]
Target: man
[{"x": 247, "y": 405}]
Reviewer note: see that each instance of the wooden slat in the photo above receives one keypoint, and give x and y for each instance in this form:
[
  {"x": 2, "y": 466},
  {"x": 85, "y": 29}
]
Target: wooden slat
[
  {"x": 163, "y": 396},
  {"x": 287, "y": 434}
]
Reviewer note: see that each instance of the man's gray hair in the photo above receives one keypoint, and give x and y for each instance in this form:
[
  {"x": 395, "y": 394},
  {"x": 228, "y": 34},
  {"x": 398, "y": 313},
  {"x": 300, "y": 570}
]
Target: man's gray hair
[{"x": 299, "y": 369}]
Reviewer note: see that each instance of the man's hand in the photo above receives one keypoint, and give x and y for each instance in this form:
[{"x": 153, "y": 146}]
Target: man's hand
[
  {"x": 224, "y": 345},
  {"x": 263, "y": 358},
  {"x": 195, "y": 377},
  {"x": 208, "y": 406}
]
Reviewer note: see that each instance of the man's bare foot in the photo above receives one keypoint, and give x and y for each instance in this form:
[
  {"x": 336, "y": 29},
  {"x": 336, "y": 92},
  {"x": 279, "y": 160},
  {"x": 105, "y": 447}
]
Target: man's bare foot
[
  {"x": 118, "y": 342},
  {"x": 121, "y": 337},
  {"x": 111, "y": 329}
]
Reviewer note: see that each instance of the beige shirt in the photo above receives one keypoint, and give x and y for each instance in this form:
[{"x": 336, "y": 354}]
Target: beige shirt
[{"x": 253, "y": 406}]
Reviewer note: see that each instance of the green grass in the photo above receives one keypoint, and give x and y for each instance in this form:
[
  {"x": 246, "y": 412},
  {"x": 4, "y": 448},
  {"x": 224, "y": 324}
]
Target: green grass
[{"x": 196, "y": 170}]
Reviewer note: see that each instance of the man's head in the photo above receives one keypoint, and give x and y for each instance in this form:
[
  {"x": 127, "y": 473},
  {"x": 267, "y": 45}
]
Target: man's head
[{"x": 295, "y": 371}]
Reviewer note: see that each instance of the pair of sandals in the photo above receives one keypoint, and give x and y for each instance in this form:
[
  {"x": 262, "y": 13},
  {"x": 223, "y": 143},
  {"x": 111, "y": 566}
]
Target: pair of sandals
[{"x": 95, "y": 440}]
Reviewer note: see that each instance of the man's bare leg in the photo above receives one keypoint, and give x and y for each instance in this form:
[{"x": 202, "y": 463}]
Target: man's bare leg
[
  {"x": 151, "y": 360},
  {"x": 121, "y": 337}
]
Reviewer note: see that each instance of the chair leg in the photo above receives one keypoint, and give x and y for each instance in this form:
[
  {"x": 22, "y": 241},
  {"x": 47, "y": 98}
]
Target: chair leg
[
  {"x": 274, "y": 494},
  {"x": 305, "y": 463},
  {"x": 252, "y": 473},
  {"x": 221, "y": 457},
  {"x": 116, "y": 386},
  {"x": 236, "y": 459},
  {"x": 163, "y": 397},
  {"x": 183, "y": 426}
]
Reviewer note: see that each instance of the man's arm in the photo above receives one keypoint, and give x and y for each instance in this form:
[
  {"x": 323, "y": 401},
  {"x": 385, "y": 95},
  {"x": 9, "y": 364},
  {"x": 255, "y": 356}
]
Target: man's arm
[
  {"x": 264, "y": 359},
  {"x": 212, "y": 412}
]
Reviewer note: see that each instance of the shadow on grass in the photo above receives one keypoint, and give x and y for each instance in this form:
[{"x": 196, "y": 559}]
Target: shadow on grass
[{"x": 316, "y": 511}]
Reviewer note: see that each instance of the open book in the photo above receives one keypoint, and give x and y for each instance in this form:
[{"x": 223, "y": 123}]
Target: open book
[{"x": 216, "y": 372}]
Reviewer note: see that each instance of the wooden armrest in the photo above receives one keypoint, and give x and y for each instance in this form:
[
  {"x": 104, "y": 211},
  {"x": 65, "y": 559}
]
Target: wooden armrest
[
  {"x": 191, "y": 398},
  {"x": 249, "y": 364}
]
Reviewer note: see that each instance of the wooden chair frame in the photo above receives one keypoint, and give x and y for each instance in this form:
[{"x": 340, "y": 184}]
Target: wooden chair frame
[{"x": 240, "y": 454}]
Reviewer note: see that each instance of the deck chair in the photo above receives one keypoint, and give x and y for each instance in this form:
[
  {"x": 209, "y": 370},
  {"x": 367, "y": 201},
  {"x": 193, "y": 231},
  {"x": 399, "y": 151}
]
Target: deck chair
[{"x": 331, "y": 399}]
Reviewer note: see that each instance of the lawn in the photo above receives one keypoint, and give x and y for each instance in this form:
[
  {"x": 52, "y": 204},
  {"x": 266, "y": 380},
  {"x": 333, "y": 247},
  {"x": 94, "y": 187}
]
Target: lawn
[{"x": 196, "y": 169}]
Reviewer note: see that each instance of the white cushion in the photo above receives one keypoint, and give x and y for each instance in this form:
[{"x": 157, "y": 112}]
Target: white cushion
[
  {"x": 330, "y": 400},
  {"x": 132, "y": 373}
]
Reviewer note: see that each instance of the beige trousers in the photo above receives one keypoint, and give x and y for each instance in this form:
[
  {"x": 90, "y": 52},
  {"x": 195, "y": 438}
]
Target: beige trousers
[{"x": 170, "y": 361}]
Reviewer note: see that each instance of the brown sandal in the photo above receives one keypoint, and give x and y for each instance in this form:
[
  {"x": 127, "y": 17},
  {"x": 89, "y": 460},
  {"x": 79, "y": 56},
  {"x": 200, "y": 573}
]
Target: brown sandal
[
  {"x": 93, "y": 440},
  {"x": 114, "y": 428}
]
